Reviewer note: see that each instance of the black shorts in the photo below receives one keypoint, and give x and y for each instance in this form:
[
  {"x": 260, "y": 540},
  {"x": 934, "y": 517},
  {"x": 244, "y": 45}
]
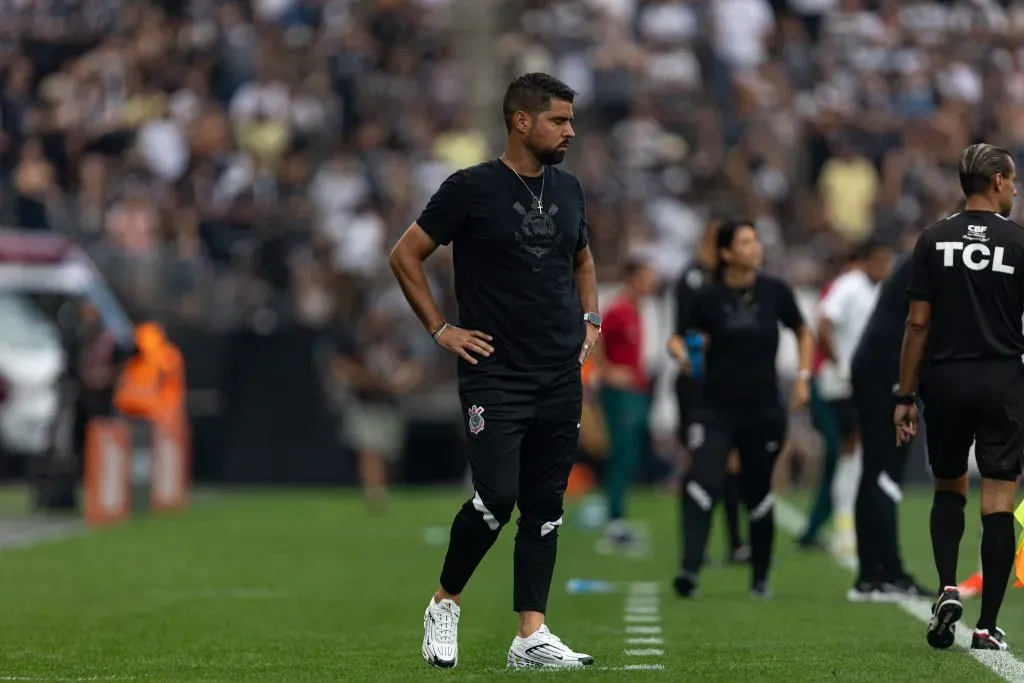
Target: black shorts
[
  {"x": 522, "y": 427},
  {"x": 980, "y": 401},
  {"x": 845, "y": 412}
]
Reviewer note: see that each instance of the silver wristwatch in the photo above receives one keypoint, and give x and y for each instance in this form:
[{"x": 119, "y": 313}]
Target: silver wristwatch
[{"x": 593, "y": 319}]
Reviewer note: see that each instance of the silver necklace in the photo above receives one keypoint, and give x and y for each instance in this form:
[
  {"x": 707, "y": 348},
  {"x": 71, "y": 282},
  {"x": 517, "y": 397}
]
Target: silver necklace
[{"x": 543, "y": 177}]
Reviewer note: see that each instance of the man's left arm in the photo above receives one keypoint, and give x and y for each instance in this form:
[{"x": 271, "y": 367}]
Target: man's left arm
[
  {"x": 586, "y": 280},
  {"x": 586, "y": 287}
]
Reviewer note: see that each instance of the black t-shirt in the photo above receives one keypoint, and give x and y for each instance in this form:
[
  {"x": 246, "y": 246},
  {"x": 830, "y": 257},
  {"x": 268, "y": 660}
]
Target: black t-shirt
[
  {"x": 514, "y": 264},
  {"x": 970, "y": 267},
  {"x": 880, "y": 344},
  {"x": 743, "y": 341}
]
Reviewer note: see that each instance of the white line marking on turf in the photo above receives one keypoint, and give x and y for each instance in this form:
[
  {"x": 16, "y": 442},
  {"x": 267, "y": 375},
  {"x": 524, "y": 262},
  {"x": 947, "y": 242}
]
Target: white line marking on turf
[
  {"x": 644, "y": 588},
  {"x": 53, "y": 531},
  {"x": 1003, "y": 664},
  {"x": 643, "y": 604},
  {"x": 642, "y": 609},
  {"x": 66, "y": 680},
  {"x": 643, "y": 667},
  {"x": 627, "y": 667}
]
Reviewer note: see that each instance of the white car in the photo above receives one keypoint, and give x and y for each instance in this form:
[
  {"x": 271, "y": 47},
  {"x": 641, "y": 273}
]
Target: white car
[{"x": 32, "y": 364}]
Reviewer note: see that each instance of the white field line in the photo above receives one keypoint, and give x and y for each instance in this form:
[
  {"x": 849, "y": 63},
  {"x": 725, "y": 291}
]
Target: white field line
[
  {"x": 1003, "y": 664},
  {"x": 643, "y": 604}
]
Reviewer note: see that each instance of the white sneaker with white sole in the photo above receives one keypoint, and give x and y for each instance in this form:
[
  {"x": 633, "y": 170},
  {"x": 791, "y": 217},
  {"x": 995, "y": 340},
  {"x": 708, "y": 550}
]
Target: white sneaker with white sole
[
  {"x": 441, "y": 634},
  {"x": 545, "y": 649}
]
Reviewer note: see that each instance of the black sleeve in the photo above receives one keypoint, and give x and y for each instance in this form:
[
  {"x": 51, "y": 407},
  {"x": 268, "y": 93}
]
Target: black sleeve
[
  {"x": 445, "y": 214},
  {"x": 696, "y": 315},
  {"x": 919, "y": 288},
  {"x": 583, "y": 239},
  {"x": 789, "y": 312}
]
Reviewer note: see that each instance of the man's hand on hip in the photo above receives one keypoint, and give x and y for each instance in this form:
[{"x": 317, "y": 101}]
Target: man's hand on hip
[{"x": 464, "y": 342}]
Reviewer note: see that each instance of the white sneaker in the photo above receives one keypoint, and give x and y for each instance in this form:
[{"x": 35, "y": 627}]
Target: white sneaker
[
  {"x": 544, "y": 648},
  {"x": 441, "y": 633}
]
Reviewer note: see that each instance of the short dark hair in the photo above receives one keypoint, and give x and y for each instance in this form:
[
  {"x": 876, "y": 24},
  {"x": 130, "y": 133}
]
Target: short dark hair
[
  {"x": 533, "y": 93},
  {"x": 979, "y": 164},
  {"x": 724, "y": 238},
  {"x": 727, "y": 231}
]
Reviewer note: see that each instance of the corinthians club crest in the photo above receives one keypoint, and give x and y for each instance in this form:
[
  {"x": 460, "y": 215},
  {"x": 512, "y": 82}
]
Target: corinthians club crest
[
  {"x": 537, "y": 234},
  {"x": 476, "y": 420}
]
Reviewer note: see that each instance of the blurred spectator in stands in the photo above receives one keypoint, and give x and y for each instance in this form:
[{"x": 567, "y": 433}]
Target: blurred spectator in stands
[{"x": 381, "y": 363}]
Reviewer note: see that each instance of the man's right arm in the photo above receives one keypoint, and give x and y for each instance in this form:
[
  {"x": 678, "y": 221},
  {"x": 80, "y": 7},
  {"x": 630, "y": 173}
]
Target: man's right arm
[
  {"x": 406, "y": 262},
  {"x": 441, "y": 222}
]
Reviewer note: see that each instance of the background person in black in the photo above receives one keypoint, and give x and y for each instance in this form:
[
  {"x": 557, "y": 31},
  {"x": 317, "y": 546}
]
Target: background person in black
[
  {"x": 527, "y": 296},
  {"x": 739, "y": 314},
  {"x": 966, "y": 303},
  {"x": 874, "y": 372},
  {"x": 697, "y": 275}
]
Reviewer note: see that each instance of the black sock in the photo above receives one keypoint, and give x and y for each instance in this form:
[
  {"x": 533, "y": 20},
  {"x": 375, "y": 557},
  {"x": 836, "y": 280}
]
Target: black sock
[
  {"x": 697, "y": 504},
  {"x": 731, "y": 500},
  {"x": 997, "y": 541},
  {"x": 947, "y": 527},
  {"x": 762, "y": 536},
  {"x": 886, "y": 520},
  {"x": 866, "y": 526}
]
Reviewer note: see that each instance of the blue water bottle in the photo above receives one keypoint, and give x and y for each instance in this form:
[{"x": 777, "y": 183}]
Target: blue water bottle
[
  {"x": 695, "y": 348},
  {"x": 581, "y": 586}
]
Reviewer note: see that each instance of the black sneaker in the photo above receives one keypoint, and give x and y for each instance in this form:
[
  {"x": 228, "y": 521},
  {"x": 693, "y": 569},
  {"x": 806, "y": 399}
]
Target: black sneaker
[
  {"x": 906, "y": 587},
  {"x": 811, "y": 544},
  {"x": 984, "y": 640},
  {"x": 946, "y": 611},
  {"x": 761, "y": 591},
  {"x": 740, "y": 555},
  {"x": 685, "y": 585},
  {"x": 864, "y": 591}
]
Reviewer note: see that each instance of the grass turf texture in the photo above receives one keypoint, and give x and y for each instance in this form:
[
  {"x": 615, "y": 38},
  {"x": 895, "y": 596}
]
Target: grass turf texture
[{"x": 307, "y": 587}]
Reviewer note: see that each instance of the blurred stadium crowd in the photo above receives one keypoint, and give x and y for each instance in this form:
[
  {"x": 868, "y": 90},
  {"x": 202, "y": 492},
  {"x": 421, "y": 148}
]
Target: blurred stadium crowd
[{"x": 249, "y": 163}]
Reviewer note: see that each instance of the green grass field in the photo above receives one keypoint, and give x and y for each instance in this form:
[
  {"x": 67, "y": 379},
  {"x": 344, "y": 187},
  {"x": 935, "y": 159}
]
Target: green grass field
[{"x": 308, "y": 587}]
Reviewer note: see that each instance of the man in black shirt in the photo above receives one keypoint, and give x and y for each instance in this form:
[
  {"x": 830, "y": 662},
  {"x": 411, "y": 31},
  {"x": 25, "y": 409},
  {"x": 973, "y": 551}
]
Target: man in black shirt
[
  {"x": 528, "y": 320},
  {"x": 874, "y": 372},
  {"x": 967, "y": 301}
]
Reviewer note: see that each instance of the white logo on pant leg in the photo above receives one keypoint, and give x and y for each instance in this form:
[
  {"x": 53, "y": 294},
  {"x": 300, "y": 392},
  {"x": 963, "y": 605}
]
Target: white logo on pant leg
[
  {"x": 695, "y": 436},
  {"x": 476, "y": 421}
]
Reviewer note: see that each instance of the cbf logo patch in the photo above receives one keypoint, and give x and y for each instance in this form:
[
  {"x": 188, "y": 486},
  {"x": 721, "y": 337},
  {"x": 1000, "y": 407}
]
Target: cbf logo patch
[{"x": 476, "y": 420}]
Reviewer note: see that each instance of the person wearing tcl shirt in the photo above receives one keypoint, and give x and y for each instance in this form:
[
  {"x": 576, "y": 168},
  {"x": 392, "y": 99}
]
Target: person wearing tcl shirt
[{"x": 625, "y": 389}]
